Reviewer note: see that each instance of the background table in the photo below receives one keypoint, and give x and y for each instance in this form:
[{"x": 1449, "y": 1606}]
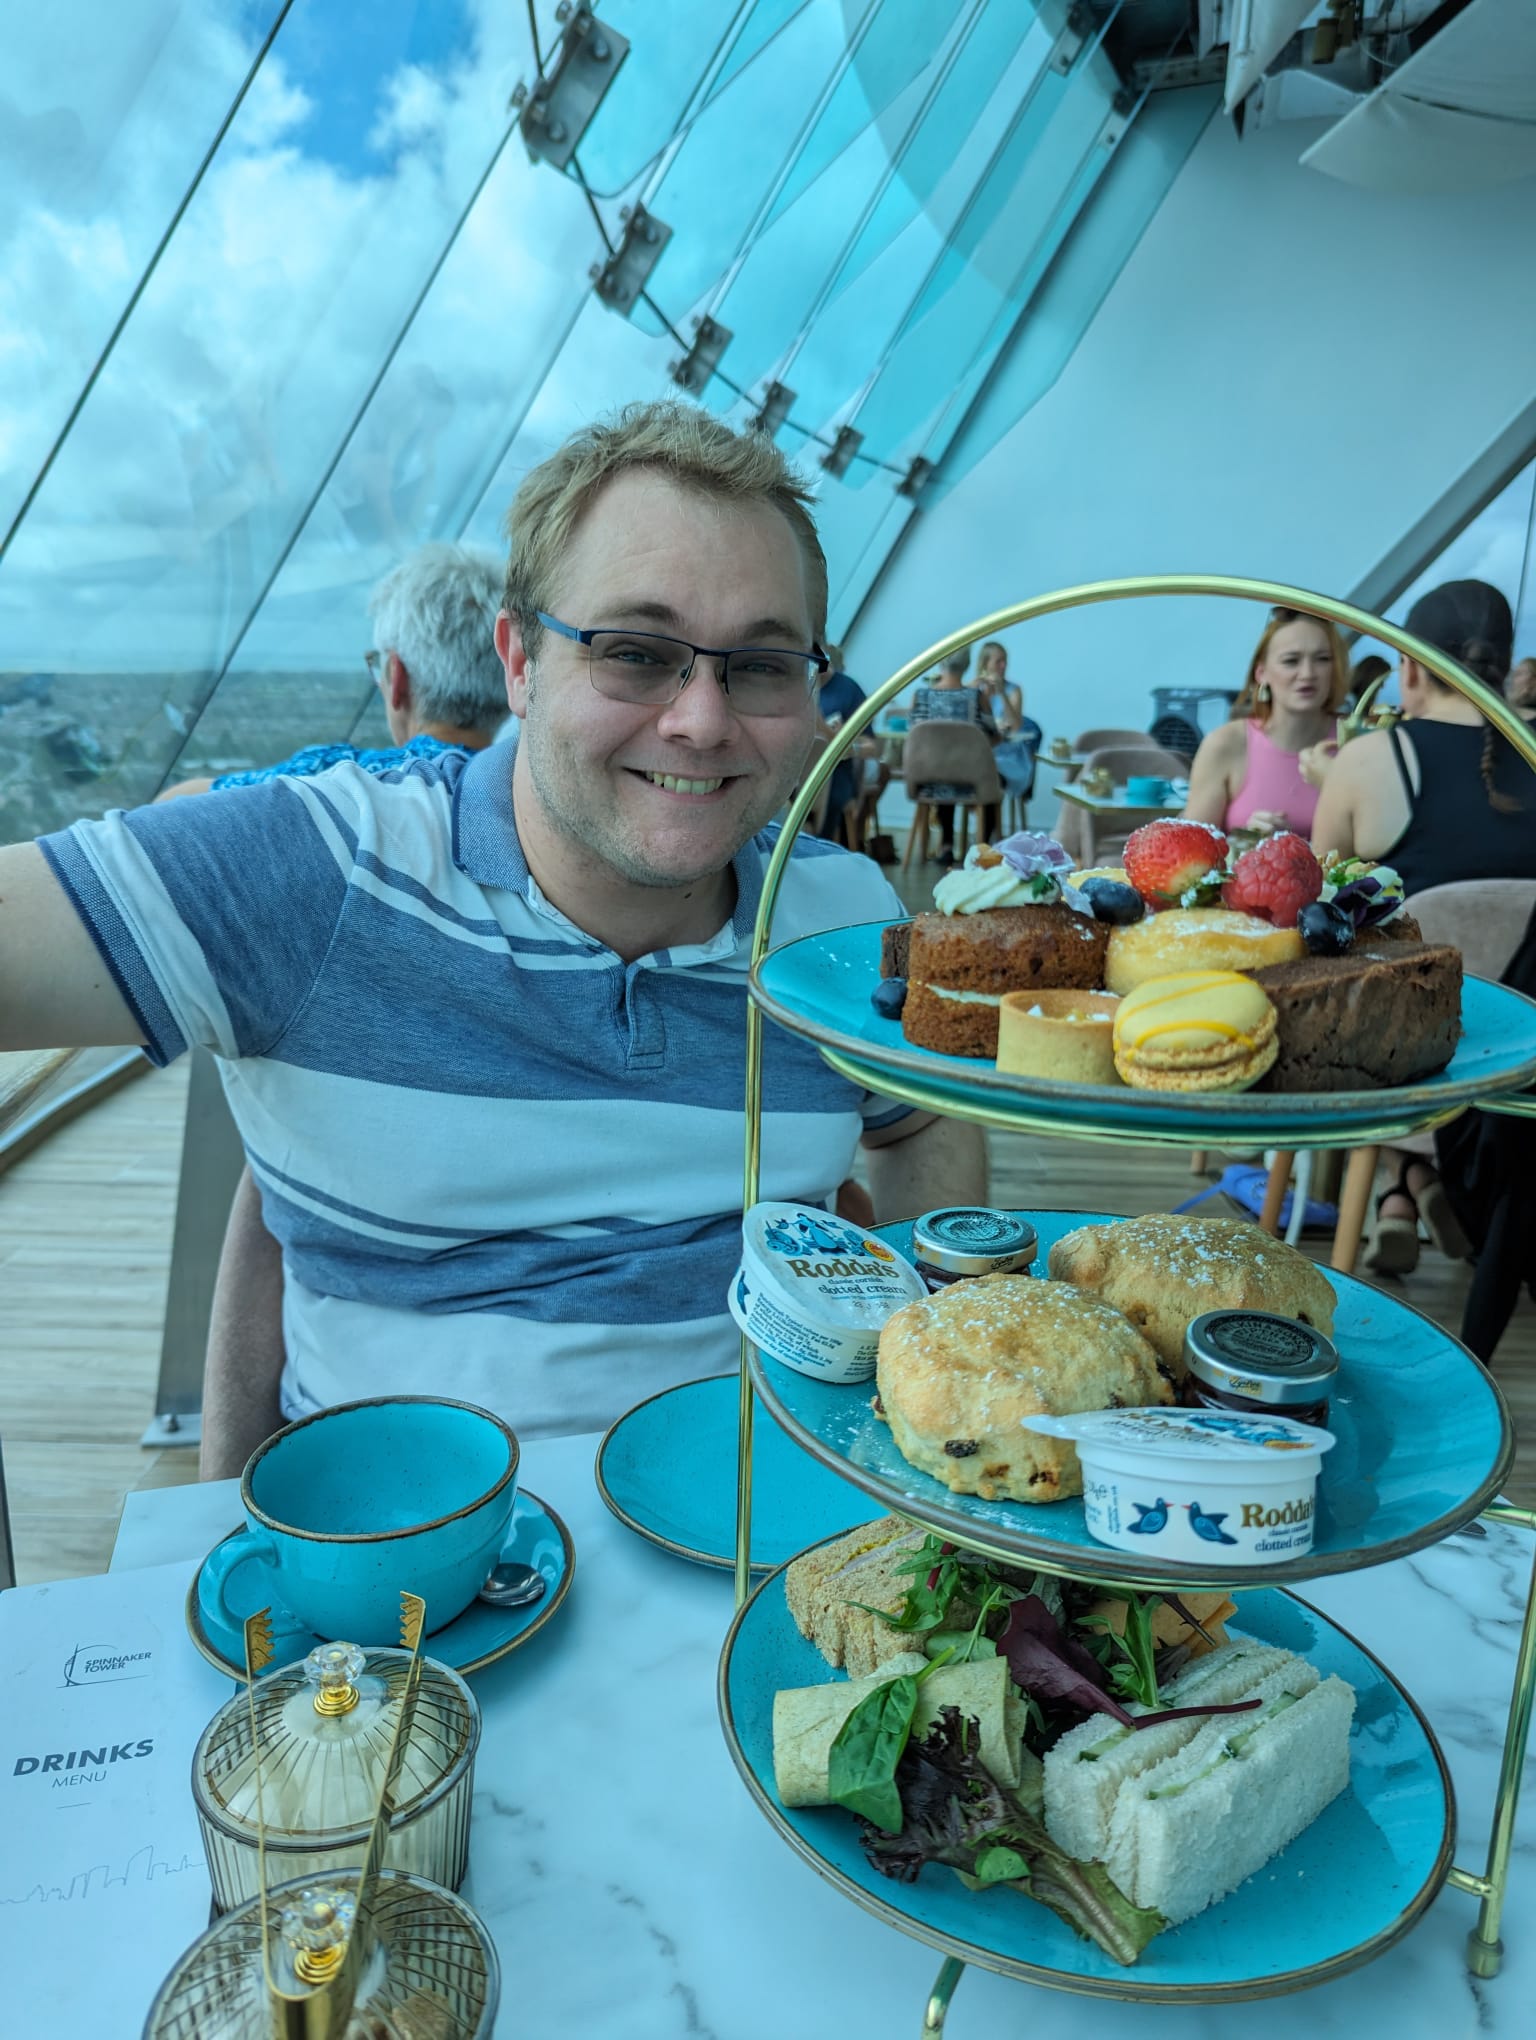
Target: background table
[{"x": 635, "y": 1893}]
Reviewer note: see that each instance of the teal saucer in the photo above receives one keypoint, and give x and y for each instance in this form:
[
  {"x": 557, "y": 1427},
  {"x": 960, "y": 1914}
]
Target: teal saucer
[
  {"x": 472, "y": 1640},
  {"x": 1347, "y": 1888},
  {"x": 667, "y": 1469}
]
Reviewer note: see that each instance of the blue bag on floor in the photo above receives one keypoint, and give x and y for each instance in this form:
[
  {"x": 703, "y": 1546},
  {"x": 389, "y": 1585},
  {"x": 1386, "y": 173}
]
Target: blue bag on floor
[{"x": 1246, "y": 1186}]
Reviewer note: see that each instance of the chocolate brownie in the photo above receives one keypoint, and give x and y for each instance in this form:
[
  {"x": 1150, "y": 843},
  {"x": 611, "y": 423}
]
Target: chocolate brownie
[
  {"x": 893, "y": 949},
  {"x": 1388, "y": 1012}
]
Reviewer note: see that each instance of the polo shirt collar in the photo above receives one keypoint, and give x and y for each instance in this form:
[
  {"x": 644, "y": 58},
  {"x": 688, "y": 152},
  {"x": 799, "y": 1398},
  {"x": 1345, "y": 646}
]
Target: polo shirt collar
[{"x": 486, "y": 848}]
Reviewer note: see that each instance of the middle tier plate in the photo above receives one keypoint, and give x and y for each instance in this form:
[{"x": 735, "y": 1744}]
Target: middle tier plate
[{"x": 1424, "y": 1443}]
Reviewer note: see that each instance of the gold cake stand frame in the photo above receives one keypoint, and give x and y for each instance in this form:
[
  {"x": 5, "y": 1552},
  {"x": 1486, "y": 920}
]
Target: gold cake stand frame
[{"x": 1484, "y": 1947}]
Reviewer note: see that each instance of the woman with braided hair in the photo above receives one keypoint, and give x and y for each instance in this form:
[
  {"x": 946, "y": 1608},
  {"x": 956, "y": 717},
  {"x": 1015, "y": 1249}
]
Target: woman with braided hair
[{"x": 1444, "y": 799}]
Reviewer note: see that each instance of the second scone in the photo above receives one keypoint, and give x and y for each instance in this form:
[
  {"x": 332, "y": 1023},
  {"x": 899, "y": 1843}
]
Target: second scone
[{"x": 961, "y": 1373}]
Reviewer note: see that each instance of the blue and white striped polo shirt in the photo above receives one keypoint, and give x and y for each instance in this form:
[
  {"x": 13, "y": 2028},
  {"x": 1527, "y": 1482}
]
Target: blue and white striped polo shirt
[{"x": 503, "y": 1164}]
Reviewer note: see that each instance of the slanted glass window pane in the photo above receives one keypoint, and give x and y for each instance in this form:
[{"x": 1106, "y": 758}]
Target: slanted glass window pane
[
  {"x": 238, "y": 378},
  {"x": 95, "y": 156},
  {"x": 672, "y": 51}
]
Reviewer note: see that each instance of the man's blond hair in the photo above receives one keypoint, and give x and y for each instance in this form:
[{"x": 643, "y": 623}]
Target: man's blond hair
[{"x": 671, "y": 438}]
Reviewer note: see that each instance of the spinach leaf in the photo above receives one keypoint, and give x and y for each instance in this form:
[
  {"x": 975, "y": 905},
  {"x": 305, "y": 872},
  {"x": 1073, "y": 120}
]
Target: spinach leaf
[{"x": 868, "y": 1747}]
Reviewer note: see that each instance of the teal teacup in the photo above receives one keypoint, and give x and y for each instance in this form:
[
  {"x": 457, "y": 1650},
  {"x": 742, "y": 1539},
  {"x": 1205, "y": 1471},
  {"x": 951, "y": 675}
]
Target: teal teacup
[
  {"x": 352, "y": 1506},
  {"x": 1147, "y": 792}
]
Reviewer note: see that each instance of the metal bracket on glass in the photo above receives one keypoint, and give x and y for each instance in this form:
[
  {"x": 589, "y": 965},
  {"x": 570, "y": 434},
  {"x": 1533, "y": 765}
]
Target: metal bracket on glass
[
  {"x": 693, "y": 370},
  {"x": 778, "y": 401},
  {"x": 839, "y": 456},
  {"x": 916, "y": 479},
  {"x": 554, "y": 116},
  {"x": 621, "y": 280},
  {"x": 1082, "y": 24}
]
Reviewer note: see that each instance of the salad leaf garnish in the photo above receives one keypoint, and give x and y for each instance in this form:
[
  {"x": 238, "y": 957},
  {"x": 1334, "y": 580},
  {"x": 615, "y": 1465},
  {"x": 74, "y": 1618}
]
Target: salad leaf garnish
[
  {"x": 867, "y": 1748},
  {"x": 957, "y": 1814}
]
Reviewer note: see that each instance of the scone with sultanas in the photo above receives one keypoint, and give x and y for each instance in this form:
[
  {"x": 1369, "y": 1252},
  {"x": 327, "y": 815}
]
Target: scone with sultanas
[
  {"x": 1163, "y": 1271},
  {"x": 961, "y": 1373}
]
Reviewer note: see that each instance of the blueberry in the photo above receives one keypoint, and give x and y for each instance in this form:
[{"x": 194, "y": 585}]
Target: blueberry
[
  {"x": 888, "y": 997},
  {"x": 1326, "y": 928},
  {"x": 1113, "y": 902}
]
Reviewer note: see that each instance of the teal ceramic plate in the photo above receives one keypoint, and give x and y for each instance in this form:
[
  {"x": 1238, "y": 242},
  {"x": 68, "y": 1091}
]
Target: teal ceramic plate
[
  {"x": 1424, "y": 1443},
  {"x": 820, "y": 987},
  {"x": 471, "y": 1641},
  {"x": 667, "y": 1468},
  {"x": 1342, "y": 1893}
]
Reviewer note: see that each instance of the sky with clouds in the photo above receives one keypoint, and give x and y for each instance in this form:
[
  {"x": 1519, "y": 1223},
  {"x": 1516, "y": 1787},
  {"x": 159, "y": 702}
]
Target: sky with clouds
[{"x": 197, "y": 464}]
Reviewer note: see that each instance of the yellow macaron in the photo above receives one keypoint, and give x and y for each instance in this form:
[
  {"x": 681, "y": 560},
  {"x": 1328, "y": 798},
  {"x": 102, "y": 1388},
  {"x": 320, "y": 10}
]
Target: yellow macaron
[{"x": 1200, "y": 1030}]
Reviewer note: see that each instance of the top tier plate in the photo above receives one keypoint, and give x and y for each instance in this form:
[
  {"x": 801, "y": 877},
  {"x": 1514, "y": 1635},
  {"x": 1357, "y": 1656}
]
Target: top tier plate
[
  {"x": 820, "y": 987},
  {"x": 1424, "y": 1443}
]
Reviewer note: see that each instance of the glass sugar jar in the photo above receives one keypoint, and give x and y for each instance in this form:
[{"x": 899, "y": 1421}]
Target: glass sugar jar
[
  {"x": 325, "y": 1728},
  {"x": 431, "y": 1968}
]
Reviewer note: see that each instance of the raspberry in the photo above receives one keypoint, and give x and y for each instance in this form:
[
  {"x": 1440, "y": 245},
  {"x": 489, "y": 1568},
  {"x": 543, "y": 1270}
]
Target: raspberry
[
  {"x": 1275, "y": 880},
  {"x": 1174, "y": 864}
]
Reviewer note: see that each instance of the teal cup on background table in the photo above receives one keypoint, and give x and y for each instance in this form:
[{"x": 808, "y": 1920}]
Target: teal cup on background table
[
  {"x": 355, "y": 1505},
  {"x": 1147, "y": 792}
]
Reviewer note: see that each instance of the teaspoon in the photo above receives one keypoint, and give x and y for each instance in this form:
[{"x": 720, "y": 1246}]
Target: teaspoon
[{"x": 513, "y": 1586}]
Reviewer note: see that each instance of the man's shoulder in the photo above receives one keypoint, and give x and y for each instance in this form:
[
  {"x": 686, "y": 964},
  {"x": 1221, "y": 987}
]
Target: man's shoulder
[{"x": 824, "y": 875}]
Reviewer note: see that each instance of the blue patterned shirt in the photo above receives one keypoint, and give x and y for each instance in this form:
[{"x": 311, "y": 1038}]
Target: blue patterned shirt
[{"x": 321, "y": 757}]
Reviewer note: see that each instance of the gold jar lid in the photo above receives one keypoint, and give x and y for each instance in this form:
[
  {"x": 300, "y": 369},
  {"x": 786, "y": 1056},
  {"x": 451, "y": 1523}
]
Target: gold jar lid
[
  {"x": 325, "y": 1727},
  {"x": 434, "y": 1969}
]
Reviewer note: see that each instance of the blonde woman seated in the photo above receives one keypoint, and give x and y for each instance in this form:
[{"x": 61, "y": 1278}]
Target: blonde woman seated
[
  {"x": 1443, "y": 799},
  {"x": 1247, "y": 774},
  {"x": 1000, "y": 695}
]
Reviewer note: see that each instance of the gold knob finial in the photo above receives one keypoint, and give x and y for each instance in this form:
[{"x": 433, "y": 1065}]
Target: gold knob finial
[{"x": 333, "y": 1669}]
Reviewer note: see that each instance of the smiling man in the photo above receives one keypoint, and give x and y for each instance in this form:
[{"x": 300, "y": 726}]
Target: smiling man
[{"x": 482, "y": 1020}]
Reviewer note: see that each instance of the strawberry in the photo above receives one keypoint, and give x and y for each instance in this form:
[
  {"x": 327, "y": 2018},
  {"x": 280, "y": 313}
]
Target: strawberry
[
  {"x": 1275, "y": 880},
  {"x": 1176, "y": 863}
]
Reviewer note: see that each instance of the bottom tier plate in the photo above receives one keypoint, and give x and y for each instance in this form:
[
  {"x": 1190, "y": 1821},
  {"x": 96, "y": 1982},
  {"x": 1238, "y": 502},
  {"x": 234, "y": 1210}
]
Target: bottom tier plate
[{"x": 1341, "y": 1894}]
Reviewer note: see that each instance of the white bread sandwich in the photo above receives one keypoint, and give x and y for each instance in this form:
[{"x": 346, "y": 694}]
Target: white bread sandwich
[
  {"x": 1192, "y": 1828},
  {"x": 1086, "y": 1768}
]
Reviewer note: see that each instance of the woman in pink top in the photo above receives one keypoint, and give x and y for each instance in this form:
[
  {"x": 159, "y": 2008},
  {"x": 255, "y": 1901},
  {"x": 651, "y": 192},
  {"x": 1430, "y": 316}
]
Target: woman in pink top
[{"x": 1247, "y": 774}]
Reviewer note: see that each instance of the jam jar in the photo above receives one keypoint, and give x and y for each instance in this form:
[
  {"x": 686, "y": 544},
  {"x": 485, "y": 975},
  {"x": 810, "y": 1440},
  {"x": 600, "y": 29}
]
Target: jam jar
[
  {"x": 966, "y": 1240},
  {"x": 1259, "y": 1363}
]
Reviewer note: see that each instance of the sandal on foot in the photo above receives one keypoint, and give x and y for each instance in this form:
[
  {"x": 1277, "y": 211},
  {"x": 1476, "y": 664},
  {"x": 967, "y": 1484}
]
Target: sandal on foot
[{"x": 1394, "y": 1247}]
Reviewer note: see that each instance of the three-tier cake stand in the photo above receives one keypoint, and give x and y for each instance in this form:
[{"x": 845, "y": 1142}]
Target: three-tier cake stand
[{"x": 1381, "y": 1507}]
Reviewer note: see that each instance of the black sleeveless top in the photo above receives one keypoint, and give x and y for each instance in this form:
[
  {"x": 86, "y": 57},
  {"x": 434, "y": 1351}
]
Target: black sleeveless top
[{"x": 1453, "y": 833}]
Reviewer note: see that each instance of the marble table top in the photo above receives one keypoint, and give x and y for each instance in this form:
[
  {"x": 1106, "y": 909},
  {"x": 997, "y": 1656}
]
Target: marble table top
[{"x": 635, "y": 1892}]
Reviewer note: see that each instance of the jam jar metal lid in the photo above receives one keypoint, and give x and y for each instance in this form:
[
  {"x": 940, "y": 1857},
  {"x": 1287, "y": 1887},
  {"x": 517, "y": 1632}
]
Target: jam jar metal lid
[
  {"x": 1264, "y": 1357},
  {"x": 972, "y": 1239}
]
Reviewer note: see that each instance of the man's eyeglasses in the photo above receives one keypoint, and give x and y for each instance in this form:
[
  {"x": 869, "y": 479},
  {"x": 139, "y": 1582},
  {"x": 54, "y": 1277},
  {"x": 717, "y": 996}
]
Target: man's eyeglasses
[{"x": 649, "y": 671}]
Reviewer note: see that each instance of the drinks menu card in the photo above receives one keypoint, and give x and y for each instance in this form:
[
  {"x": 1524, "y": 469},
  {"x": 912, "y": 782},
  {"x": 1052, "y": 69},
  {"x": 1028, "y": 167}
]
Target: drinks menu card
[{"x": 102, "y": 1877}]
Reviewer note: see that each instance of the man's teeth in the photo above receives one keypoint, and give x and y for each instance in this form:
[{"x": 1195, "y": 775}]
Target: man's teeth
[{"x": 674, "y": 785}]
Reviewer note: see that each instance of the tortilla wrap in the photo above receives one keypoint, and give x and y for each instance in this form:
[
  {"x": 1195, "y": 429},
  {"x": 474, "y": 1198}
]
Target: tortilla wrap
[{"x": 806, "y": 1720}]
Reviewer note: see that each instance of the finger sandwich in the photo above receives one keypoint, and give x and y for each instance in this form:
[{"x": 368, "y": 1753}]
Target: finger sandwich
[{"x": 1179, "y": 1828}]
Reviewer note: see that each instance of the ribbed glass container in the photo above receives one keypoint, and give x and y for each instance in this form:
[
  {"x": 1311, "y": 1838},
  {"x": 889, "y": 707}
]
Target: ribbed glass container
[
  {"x": 325, "y": 1727},
  {"x": 432, "y": 1973}
]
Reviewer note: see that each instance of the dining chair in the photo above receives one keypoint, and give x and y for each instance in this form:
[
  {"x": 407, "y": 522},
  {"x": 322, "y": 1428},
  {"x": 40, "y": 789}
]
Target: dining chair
[
  {"x": 948, "y": 754},
  {"x": 1097, "y": 740}
]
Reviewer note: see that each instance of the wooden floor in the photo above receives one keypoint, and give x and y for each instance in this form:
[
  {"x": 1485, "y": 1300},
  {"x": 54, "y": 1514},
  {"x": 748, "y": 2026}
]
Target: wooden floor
[{"x": 85, "y": 1235}]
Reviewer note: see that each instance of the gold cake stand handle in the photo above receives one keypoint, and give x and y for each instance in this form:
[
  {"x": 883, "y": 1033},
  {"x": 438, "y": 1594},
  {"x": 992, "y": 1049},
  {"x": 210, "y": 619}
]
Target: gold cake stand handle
[
  {"x": 936, "y": 2011},
  {"x": 1485, "y": 1950}
]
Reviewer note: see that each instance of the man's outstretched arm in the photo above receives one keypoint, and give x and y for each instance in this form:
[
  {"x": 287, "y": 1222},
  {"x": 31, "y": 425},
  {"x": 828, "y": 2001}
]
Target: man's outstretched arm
[
  {"x": 55, "y": 988},
  {"x": 944, "y": 1161},
  {"x": 245, "y": 1341}
]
